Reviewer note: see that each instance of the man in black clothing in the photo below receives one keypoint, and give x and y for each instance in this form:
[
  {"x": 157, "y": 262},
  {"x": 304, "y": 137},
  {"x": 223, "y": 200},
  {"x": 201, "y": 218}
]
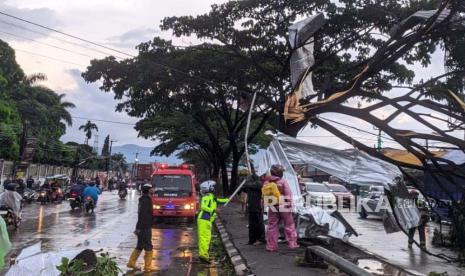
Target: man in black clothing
[
  {"x": 144, "y": 231},
  {"x": 29, "y": 182},
  {"x": 21, "y": 186},
  {"x": 253, "y": 188},
  {"x": 7, "y": 182}
]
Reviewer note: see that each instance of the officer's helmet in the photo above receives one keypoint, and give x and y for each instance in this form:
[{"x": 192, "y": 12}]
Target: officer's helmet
[{"x": 207, "y": 187}]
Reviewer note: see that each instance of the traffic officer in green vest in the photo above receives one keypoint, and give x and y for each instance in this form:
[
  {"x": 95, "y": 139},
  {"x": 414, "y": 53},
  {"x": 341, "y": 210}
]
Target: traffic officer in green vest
[{"x": 206, "y": 217}]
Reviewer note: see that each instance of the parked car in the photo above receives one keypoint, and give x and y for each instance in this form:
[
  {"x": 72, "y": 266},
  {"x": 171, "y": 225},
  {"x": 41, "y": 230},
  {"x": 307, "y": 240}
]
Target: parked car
[
  {"x": 318, "y": 194},
  {"x": 441, "y": 211},
  {"x": 370, "y": 203},
  {"x": 342, "y": 194}
]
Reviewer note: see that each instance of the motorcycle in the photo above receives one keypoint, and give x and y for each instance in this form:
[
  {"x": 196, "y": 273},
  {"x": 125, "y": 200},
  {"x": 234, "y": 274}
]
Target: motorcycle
[
  {"x": 57, "y": 195},
  {"x": 123, "y": 193},
  {"x": 89, "y": 204},
  {"x": 67, "y": 193},
  {"x": 75, "y": 201},
  {"x": 29, "y": 195},
  {"x": 9, "y": 217},
  {"x": 43, "y": 196}
]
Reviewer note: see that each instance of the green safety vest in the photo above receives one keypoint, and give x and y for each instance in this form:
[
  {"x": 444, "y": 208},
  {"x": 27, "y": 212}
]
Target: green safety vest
[{"x": 208, "y": 205}]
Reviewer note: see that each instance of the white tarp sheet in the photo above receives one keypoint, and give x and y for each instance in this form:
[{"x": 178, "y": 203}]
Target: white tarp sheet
[
  {"x": 322, "y": 217},
  {"x": 276, "y": 155},
  {"x": 301, "y": 42},
  {"x": 33, "y": 262},
  {"x": 351, "y": 166},
  {"x": 12, "y": 200}
]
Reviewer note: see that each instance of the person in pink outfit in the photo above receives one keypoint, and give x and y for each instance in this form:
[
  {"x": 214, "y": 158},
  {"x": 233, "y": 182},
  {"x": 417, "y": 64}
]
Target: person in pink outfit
[{"x": 280, "y": 213}]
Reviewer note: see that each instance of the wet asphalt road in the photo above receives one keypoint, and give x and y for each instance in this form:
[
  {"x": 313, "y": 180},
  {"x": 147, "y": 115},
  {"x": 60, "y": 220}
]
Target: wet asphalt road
[
  {"x": 394, "y": 246},
  {"x": 109, "y": 229}
]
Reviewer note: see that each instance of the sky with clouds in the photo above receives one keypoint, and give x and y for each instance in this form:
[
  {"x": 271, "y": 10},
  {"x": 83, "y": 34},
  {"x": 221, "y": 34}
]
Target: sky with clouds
[{"x": 120, "y": 24}]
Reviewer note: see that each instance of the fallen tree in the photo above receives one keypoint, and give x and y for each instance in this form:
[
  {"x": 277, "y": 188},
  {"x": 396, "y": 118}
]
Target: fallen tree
[{"x": 435, "y": 104}]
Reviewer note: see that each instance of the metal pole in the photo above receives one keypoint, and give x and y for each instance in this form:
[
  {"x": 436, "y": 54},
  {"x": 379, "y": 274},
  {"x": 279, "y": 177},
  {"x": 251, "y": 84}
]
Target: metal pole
[
  {"x": 134, "y": 169},
  {"x": 235, "y": 192},
  {"x": 339, "y": 262},
  {"x": 2, "y": 162},
  {"x": 249, "y": 118}
]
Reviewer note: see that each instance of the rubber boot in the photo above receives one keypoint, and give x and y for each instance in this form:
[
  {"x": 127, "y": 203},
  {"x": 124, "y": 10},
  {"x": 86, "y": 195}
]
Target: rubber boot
[
  {"x": 148, "y": 267},
  {"x": 132, "y": 263}
]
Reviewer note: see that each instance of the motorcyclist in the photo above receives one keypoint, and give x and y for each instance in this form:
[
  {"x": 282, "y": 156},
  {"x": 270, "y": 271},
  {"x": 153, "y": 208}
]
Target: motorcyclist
[
  {"x": 206, "y": 217},
  {"x": 122, "y": 185},
  {"x": 56, "y": 192},
  {"x": 78, "y": 188},
  {"x": 11, "y": 199},
  {"x": 46, "y": 186},
  {"x": 29, "y": 182},
  {"x": 6, "y": 182},
  {"x": 21, "y": 186},
  {"x": 92, "y": 191},
  {"x": 111, "y": 184}
]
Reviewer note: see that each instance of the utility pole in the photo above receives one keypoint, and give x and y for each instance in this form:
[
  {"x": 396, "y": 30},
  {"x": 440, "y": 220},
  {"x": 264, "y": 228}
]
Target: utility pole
[
  {"x": 379, "y": 145},
  {"x": 96, "y": 143},
  {"x": 75, "y": 173},
  {"x": 109, "y": 159},
  {"x": 134, "y": 167},
  {"x": 21, "y": 149}
]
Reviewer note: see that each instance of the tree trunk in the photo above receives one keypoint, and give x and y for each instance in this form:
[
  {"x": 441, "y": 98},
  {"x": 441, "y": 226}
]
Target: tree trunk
[
  {"x": 215, "y": 173},
  {"x": 224, "y": 178},
  {"x": 234, "y": 173},
  {"x": 292, "y": 129}
]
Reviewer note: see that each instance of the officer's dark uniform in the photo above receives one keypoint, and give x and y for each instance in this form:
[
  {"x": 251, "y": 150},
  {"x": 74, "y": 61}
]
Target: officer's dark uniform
[
  {"x": 144, "y": 234},
  {"x": 144, "y": 223},
  {"x": 253, "y": 188}
]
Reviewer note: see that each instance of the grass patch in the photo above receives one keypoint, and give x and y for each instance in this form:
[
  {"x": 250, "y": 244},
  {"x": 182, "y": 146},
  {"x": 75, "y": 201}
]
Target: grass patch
[{"x": 218, "y": 252}]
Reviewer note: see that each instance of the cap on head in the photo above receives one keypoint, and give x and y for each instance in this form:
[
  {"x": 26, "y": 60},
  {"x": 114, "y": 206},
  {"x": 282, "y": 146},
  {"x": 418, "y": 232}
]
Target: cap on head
[{"x": 146, "y": 188}]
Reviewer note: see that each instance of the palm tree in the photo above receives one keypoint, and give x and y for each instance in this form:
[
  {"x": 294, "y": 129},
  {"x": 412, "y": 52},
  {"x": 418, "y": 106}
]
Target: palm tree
[
  {"x": 61, "y": 108},
  {"x": 87, "y": 128}
]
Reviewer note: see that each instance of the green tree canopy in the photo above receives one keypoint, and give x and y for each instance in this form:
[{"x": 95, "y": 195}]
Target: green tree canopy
[
  {"x": 25, "y": 103},
  {"x": 246, "y": 51},
  {"x": 214, "y": 111}
]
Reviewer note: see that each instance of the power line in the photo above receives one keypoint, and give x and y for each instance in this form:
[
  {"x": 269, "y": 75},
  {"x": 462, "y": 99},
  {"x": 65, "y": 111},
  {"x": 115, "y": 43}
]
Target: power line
[
  {"x": 358, "y": 129},
  {"x": 66, "y": 34},
  {"x": 47, "y": 44},
  {"x": 105, "y": 121},
  {"x": 48, "y": 57},
  {"x": 108, "y": 48},
  {"x": 57, "y": 38}
]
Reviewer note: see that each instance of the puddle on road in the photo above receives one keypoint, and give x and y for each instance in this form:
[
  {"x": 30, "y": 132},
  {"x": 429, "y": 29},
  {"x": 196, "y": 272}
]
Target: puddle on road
[{"x": 379, "y": 268}]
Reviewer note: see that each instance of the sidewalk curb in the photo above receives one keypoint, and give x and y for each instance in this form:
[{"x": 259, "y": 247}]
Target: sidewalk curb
[{"x": 240, "y": 265}]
